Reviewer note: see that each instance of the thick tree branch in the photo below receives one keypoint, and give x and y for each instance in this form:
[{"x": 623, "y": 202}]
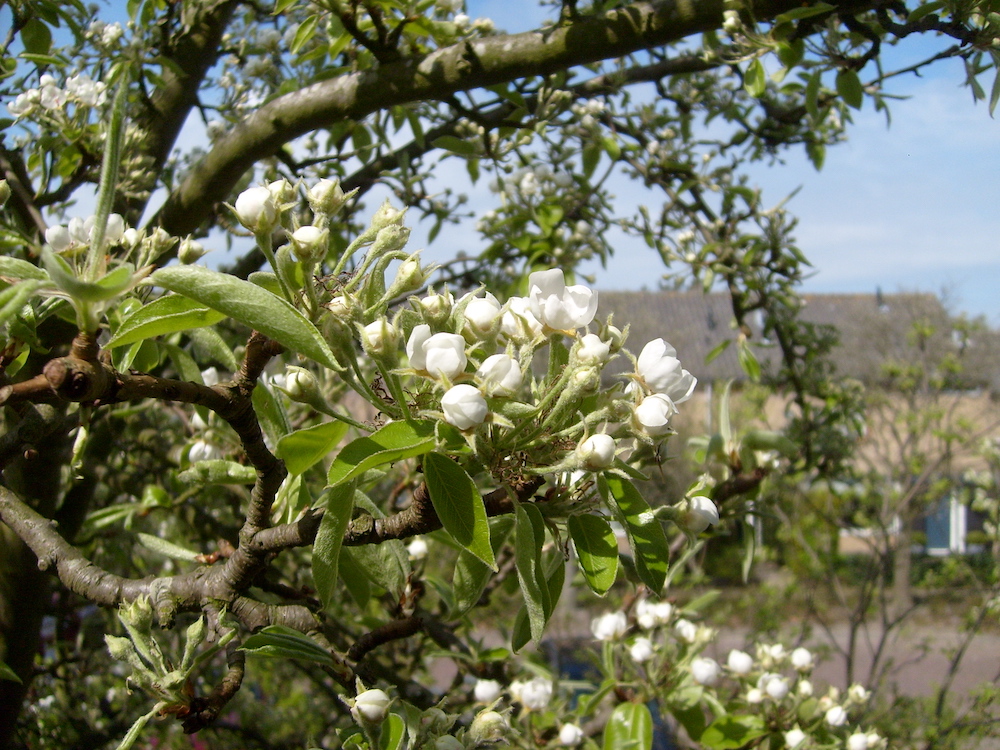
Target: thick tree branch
[{"x": 460, "y": 67}]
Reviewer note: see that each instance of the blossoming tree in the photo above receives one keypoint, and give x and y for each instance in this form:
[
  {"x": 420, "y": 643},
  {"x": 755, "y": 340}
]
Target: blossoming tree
[{"x": 389, "y": 448}]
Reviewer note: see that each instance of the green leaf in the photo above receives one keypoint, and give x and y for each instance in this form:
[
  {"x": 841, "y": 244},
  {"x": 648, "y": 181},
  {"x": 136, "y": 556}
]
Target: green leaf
[
  {"x": 250, "y": 305},
  {"x": 218, "y": 471},
  {"x": 849, "y": 88},
  {"x": 717, "y": 350},
  {"x": 755, "y": 79},
  {"x": 354, "y": 578},
  {"x": 630, "y": 726},
  {"x": 645, "y": 535},
  {"x": 455, "y": 145},
  {"x": 732, "y": 731},
  {"x": 692, "y": 718},
  {"x": 329, "y": 539},
  {"x": 279, "y": 642},
  {"x": 6, "y": 673},
  {"x": 812, "y": 94},
  {"x": 472, "y": 574},
  {"x": 393, "y": 442},
  {"x": 167, "y": 549},
  {"x": 110, "y": 286},
  {"x": 15, "y": 268},
  {"x": 459, "y": 505},
  {"x": 597, "y": 550},
  {"x": 591, "y": 157},
  {"x": 36, "y": 37},
  {"x": 748, "y": 361},
  {"x": 168, "y": 314},
  {"x": 303, "y": 448},
  {"x": 393, "y": 733},
  {"x": 304, "y": 33},
  {"x": 805, "y": 12},
  {"x": 529, "y": 536},
  {"x": 13, "y": 298}
]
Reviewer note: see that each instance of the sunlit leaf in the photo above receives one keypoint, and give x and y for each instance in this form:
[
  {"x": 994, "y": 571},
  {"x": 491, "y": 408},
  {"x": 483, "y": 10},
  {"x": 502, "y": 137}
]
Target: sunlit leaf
[
  {"x": 393, "y": 442},
  {"x": 459, "y": 505}
]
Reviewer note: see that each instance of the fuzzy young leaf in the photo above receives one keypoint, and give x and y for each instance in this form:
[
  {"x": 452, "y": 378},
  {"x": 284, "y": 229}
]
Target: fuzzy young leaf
[
  {"x": 645, "y": 535},
  {"x": 394, "y": 442},
  {"x": 218, "y": 471},
  {"x": 15, "y": 268},
  {"x": 250, "y": 305},
  {"x": 303, "y": 448},
  {"x": 630, "y": 726},
  {"x": 162, "y": 316},
  {"x": 459, "y": 505},
  {"x": 165, "y": 548},
  {"x": 329, "y": 538},
  {"x": 597, "y": 551},
  {"x": 279, "y": 642},
  {"x": 732, "y": 731}
]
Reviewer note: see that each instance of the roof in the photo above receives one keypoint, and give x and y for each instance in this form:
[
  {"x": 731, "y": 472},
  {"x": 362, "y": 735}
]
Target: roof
[{"x": 872, "y": 328}]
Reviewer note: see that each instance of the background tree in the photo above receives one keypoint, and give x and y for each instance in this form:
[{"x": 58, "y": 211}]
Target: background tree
[{"x": 369, "y": 94}]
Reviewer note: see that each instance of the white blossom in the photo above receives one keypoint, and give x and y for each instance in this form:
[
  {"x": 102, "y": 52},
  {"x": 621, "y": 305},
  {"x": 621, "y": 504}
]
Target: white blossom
[
  {"x": 705, "y": 671},
  {"x": 776, "y": 686},
  {"x": 379, "y": 337},
  {"x": 739, "y": 662},
  {"x": 464, "y": 406},
  {"x": 686, "y": 630},
  {"x": 661, "y": 371},
  {"x": 417, "y": 549},
  {"x": 699, "y": 512},
  {"x": 570, "y": 735},
  {"x": 499, "y": 375},
  {"x": 536, "y": 694},
  {"x": 256, "y": 209},
  {"x": 591, "y": 350},
  {"x": 641, "y": 649},
  {"x": 371, "y": 707},
  {"x": 836, "y": 716},
  {"x": 482, "y": 314},
  {"x": 802, "y": 659},
  {"x": 203, "y": 451},
  {"x": 558, "y": 306},
  {"x": 857, "y": 741},
  {"x": 755, "y": 696},
  {"x": 441, "y": 354},
  {"x": 486, "y": 691},
  {"x": 653, "y": 414},
  {"x": 596, "y": 452},
  {"x": 857, "y": 693},
  {"x": 518, "y": 323},
  {"x": 650, "y": 614},
  {"x": 609, "y": 627},
  {"x": 794, "y": 737}
]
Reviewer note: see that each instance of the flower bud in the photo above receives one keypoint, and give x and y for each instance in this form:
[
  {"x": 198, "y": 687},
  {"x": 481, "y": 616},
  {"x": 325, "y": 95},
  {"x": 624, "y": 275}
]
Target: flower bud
[
  {"x": 804, "y": 689},
  {"x": 371, "y": 707},
  {"x": 489, "y": 727},
  {"x": 59, "y": 238},
  {"x": 437, "y": 307},
  {"x": 409, "y": 277},
  {"x": 858, "y": 741},
  {"x": 310, "y": 243},
  {"x": 482, "y": 315},
  {"x": 518, "y": 323},
  {"x": 301, "y": 385},
  {"x": 190, "y": 251},
  {"x": 417, "y": 549},
  {"x": 698, "y": 513},
  {"x": 256, "y": 210},
  {"x": 686, "y": 630},
  {"x": 652, "y": 415},
  {"x": 282, "y": 190},
  {"x": 597, "y": 452},
  {"x": 591, "y": 350},
  {"x": 390, "y": 239},
  {"x": 327, "y": 197},
  {"x": 775, "y": 686},
  {"x": 499, "y": 375},
  {"x": 464, "y": 407},
  {"x": 379, "y": 338},
  {"x": 441, "y": 355},
  {"x": 857, "y": 694},
  {"x": 386, "y": 216},
  {"x": 755, "y": 696}
]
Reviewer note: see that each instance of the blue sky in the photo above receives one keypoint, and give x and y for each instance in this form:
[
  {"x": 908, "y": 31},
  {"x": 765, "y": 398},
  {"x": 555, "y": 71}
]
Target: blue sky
[{"x": 911, "y": 206}]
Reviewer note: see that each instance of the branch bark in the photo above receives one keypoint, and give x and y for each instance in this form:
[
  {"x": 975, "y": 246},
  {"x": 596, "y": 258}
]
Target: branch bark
[{"x": 459, "y": 67}]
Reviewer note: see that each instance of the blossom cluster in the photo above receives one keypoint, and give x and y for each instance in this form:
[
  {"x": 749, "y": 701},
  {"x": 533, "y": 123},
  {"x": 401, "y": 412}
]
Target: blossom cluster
[
  {"x": 53, "y": 98},
  {"x": 773, "y": 682}
]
